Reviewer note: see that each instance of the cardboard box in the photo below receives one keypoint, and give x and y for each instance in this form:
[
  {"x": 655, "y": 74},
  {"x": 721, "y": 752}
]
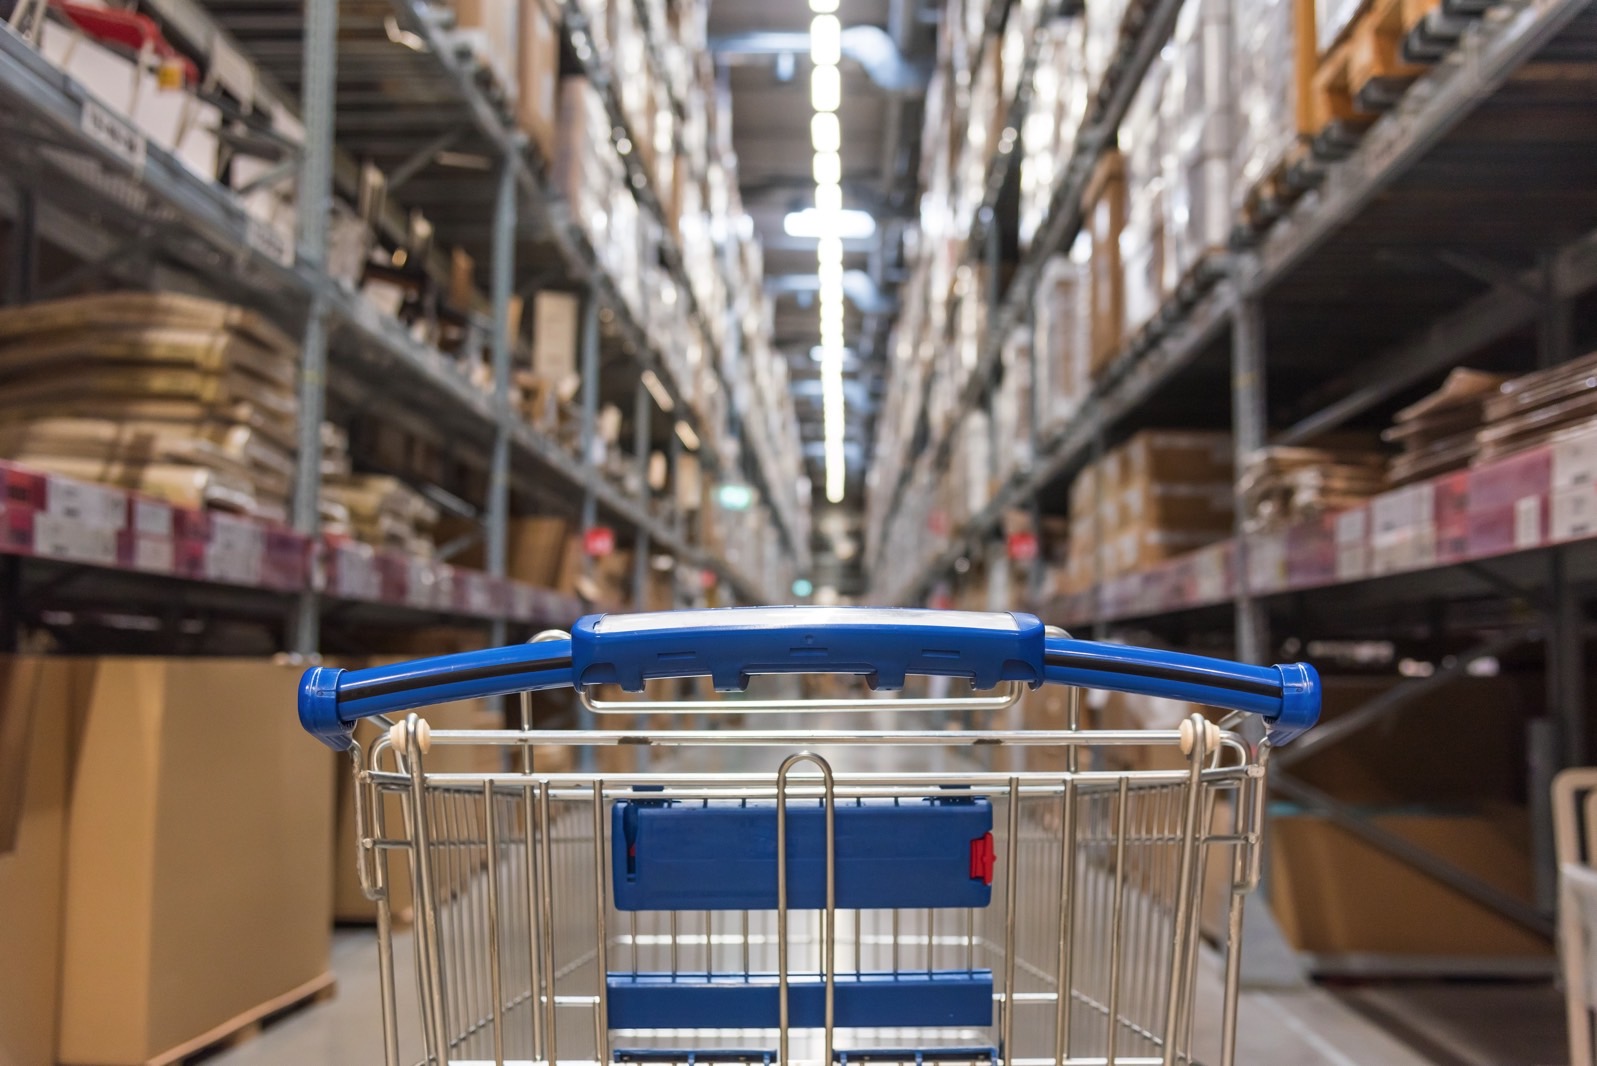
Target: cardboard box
[
  {"x": 1105, "y": 211},
  {"x": 1177, "y": 455},
  {"x": 556, "y": 332},
  {"x": 537, "y": 550},
  {"x": 1462, "y": 744},
  {"x": 1335, "y": 894},
  {"x": 199, "y": 889},
  {"x": 538, "y": 96},
  {"x": 40, "y": 699}
]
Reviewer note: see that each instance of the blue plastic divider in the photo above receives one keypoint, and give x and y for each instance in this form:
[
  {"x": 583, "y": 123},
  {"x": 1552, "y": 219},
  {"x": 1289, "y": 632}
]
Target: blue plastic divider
[
  {"x": 721, "y": 855},
  {"x": 937, "y": 999}
]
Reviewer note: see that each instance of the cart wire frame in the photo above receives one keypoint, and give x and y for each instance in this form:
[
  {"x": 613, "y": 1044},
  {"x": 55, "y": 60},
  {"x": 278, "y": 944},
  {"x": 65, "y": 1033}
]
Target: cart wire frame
[{"x": 1091, "y": 938}]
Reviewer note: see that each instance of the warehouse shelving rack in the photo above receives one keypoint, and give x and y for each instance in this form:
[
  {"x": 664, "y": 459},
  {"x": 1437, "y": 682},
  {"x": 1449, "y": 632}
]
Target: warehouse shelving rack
[
  {"x": 159, "y": 202},
  {"x": 1452, "y": 231}
]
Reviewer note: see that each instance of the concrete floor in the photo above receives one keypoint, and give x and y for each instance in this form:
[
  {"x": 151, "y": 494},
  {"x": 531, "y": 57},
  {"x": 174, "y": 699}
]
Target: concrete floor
[{"x": 1307, "y": 1028}]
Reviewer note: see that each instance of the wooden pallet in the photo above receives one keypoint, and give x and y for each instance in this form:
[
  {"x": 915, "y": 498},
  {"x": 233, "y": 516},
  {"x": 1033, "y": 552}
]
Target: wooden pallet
[
  {"x": 1366, "y": 73},
  {"x": 1278, "y": 190},
  {"x": 248, "y": 1025}
]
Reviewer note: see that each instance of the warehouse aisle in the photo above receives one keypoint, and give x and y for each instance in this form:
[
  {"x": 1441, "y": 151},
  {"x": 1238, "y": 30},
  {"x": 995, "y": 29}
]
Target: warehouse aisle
[{"x": 1310, "y": 1028}]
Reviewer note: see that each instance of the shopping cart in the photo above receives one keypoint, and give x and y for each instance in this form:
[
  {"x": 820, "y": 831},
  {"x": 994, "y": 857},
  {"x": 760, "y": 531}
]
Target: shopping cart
[{"x": 797, "y": 914}]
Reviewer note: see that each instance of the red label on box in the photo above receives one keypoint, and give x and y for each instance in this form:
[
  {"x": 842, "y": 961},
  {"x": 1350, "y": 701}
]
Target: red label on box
[
  {"x": 598, "y": 541},
  {"x": 1022, "y": 547}
]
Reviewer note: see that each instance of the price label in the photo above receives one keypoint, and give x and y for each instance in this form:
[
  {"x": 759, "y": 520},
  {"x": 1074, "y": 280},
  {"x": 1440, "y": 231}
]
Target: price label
[
  {"x": 93, "y": 505},
  {"x": 1527, "y": 522},
  {"x": 114, "y": 133},
  {"x": 65, "y": 537},
  {"x": 155, "y": 554}
]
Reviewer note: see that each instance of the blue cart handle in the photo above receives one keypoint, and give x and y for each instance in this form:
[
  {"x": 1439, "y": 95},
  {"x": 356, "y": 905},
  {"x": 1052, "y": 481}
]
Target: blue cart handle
[{"x": 884, "y": 645}]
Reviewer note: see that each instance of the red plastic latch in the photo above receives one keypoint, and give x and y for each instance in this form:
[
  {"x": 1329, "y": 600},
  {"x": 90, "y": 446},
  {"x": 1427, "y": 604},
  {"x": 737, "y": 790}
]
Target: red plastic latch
[{"x": 983, "y": 857}]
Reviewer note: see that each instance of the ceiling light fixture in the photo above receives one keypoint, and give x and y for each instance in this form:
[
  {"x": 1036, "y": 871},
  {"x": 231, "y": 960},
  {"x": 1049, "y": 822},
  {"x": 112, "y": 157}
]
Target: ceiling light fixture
[
  {"x": 819, "y": 222},
  {"x": 826, "y": 40},
  {"x": 662, "y": 398},
  {"x": 826, "y": 89},
  {"x": 828, "y": 168},
  {"x": 826, "y": 133},
  {"x": 829, "y": 224}
]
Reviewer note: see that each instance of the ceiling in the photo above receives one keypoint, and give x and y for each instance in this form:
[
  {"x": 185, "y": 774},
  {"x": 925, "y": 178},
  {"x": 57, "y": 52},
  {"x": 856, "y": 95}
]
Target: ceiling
[{"x": 763, "y": 67}]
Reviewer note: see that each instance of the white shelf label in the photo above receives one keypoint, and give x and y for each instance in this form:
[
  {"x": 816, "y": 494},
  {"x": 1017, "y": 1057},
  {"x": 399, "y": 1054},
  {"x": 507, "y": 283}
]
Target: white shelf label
[
  {"x": 115, "y": 133},
  {"x": 1527, "y": 522},
  {"x": 236, "y": 552},
  {"x": 155, "y": 554},
  {"x": 66, "y": 537},
  {"x": 92, "y": 505},
  {"x": 152, "y": 518}
]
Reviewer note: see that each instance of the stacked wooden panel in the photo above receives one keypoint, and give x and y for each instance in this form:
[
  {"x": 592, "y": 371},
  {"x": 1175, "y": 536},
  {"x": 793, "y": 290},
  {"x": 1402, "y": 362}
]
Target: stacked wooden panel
[{"x": 187, "y": 399}]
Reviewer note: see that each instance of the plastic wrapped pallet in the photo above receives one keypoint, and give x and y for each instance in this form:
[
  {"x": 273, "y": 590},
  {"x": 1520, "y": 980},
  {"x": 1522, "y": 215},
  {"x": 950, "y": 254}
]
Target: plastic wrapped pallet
[
  {"x": 1040, "y": 158},
  {"x": 1063, "y": 337},
  {"x": 1142, "y": 243},
  {"x": 1272, "y": 62},
  {"x": 1332, "y": 20},
  {"x": 1104, "y": 24},
  {"x": 489, "y": 30},
  {"x": 1012, "y": 407},
  {"x": 1198, "y": 135},
  {"x": 1019, "y": 28}
]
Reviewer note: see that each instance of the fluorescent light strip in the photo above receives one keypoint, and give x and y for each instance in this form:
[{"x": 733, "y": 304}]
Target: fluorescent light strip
[
  {"x": 657, "y": 390},
  {"x": 829, "y": 226}
]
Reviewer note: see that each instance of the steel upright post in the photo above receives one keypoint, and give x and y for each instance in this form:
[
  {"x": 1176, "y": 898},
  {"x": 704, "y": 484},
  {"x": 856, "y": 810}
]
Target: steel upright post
[
  {"x": 320, "y": 61},
  {"x": 502, "y": 269},
  {"x": 642, "y": 413},
  {"x": 1248, "y": 430}
]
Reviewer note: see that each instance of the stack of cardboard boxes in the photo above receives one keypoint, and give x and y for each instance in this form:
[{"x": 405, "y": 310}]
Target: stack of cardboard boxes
[
  {"x": 1159, "y": 495},
  {"x": 169, "y": 875},
  {"x": 186, "y": 399}
]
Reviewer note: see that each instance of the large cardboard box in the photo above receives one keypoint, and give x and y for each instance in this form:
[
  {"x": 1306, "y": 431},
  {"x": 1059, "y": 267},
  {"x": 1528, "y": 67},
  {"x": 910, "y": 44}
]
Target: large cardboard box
[
  {"x": 1335, "y": 894},
  {"x": 1464, "y": 743},
  {"x": 198, "y": 887},
  {"x": 1186, "y": 456},
  {"x": 556, "y": 328},
  {"x": 1105, "y": 210},
  {"x": 537, "y": 549},
  {"x": 39, "y": 702},
  {"x": 538, "y": 96}
]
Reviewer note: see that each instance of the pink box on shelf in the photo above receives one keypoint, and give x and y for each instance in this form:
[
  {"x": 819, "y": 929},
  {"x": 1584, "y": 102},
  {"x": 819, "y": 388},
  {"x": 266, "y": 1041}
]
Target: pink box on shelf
[
  {"x": 1311, "y": 552},
  {"x": 1452, "y": 517},
  {"x": 1508, "y": 503},
  {"x": 21, "y": 488},
  {"x": 287, "y": 564}
]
